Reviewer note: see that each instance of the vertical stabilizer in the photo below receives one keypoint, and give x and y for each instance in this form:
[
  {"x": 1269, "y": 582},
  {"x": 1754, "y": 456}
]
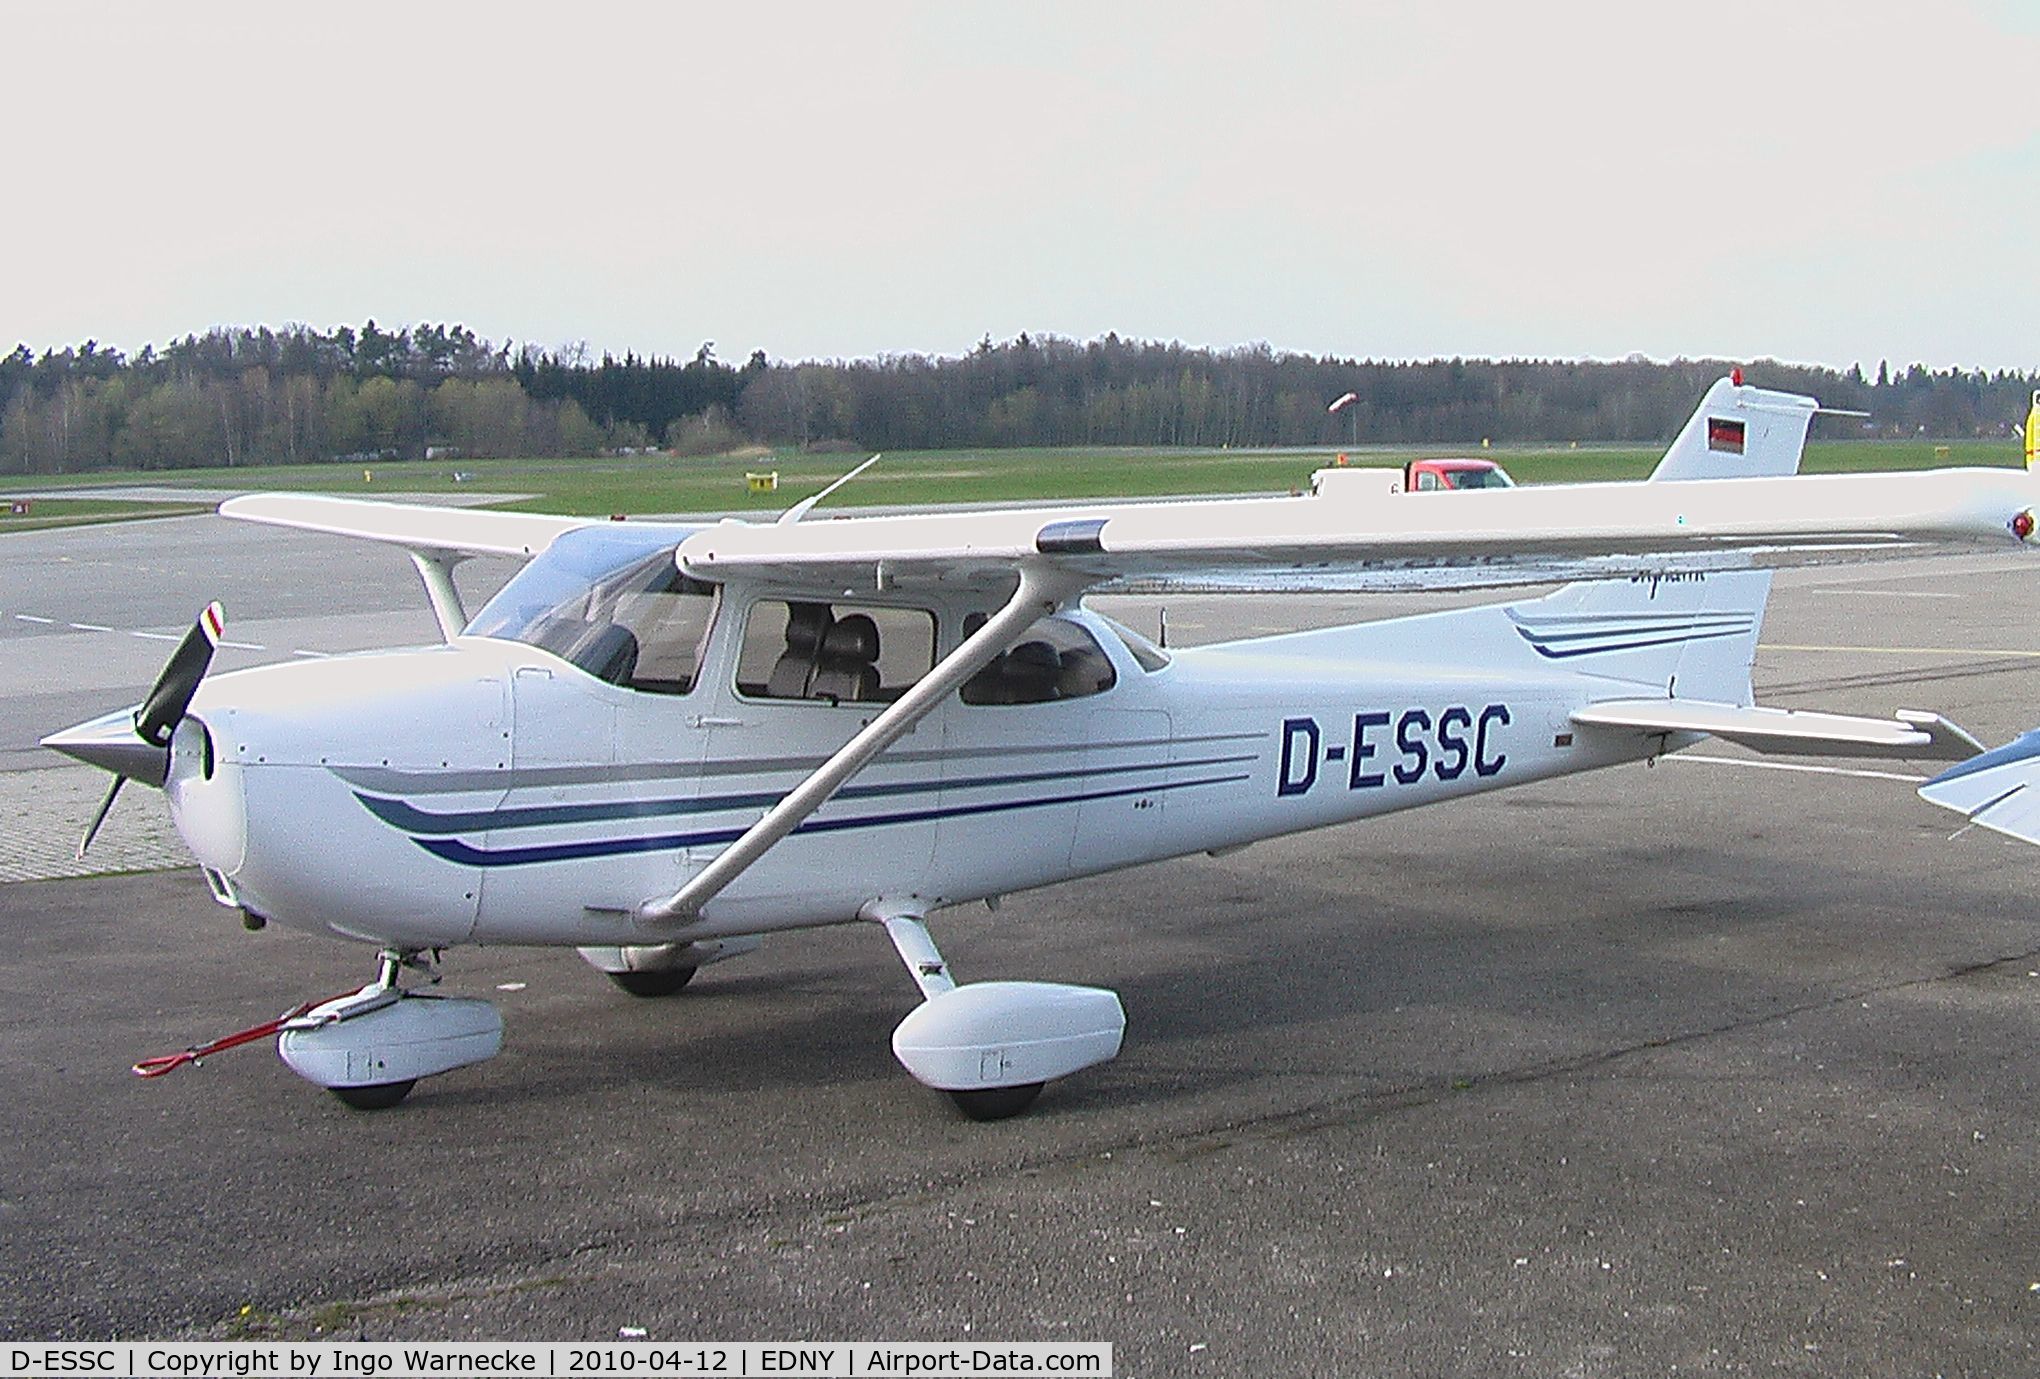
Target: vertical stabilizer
[
  {"x": 1740, "y": 432},
  {"x": 2033, "y": 431},
  {"x": 1692, "y": 636}
]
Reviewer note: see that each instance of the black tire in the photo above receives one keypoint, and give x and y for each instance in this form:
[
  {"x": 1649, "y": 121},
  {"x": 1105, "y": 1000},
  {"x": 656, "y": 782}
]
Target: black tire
[
  {"x": 663, "y": 982},
  {"x": 379, "y": 1097},
  {"x": 996, "y": 1103}
]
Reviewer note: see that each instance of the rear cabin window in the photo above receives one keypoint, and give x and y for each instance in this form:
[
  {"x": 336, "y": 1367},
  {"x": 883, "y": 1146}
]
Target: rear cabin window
[
  {"x": 834, "y": 653},
  {"x": 1145, "y": 653},
  {"x": 1054, "y": 659}
]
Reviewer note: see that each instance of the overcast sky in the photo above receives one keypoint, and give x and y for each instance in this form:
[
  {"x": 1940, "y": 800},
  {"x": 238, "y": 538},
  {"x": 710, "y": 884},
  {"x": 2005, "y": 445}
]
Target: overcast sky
[{"x": 1823, "y": 182}]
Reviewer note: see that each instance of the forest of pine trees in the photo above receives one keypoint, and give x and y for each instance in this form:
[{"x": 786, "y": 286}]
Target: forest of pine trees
[{"x": 257, "y": 396}]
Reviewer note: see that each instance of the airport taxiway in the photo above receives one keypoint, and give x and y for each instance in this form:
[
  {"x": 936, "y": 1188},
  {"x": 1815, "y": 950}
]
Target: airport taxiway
[{"x": 1703, "y": 1067}]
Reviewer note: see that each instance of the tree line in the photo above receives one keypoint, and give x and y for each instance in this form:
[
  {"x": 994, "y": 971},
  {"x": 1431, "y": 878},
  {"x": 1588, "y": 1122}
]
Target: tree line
[{"x": 257, "y": 396}]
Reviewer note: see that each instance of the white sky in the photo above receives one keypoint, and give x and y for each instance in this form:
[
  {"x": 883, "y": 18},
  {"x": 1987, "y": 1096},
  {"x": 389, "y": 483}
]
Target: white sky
[{"x": 1828, "y": 182}]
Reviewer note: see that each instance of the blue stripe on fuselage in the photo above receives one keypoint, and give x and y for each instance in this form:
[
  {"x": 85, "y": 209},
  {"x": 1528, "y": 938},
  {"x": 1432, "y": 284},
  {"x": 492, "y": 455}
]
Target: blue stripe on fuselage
[
  {"x": 1567, "y": 653},
  {"x": 453, "y": 850},
  {"x": 405, "y": 815}
]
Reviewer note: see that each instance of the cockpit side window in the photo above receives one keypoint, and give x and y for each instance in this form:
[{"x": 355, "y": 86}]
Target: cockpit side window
[
  {"x": 670, "y": 620},
  {"x": 642, "y": 625},
  {"x": 1054, "y": 659}
]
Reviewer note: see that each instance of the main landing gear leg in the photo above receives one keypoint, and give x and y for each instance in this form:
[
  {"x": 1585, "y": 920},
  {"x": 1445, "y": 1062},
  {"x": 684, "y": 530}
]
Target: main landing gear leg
[{"x": 992, "y": 1045}]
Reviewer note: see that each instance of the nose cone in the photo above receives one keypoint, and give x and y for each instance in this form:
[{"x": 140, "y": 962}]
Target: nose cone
[
  {"x": 208, "y": 799},
  {"x": 111, "y": 743}
]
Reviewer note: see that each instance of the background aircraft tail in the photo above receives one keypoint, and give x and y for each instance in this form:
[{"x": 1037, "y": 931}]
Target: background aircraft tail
[
  {"x": 1693, "y": 636},
  {"x": 1739, "y": 432}
]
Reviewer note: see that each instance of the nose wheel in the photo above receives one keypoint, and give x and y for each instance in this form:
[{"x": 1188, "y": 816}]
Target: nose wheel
[
  {"x": 377, "y": 1096},
  {"x": 996, "y": 1103}
]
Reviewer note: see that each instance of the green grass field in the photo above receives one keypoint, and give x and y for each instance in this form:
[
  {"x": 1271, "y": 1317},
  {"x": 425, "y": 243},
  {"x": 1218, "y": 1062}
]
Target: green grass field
[
  {"x": 73, "y": 512},
  {"x": 660, "y": 484}
]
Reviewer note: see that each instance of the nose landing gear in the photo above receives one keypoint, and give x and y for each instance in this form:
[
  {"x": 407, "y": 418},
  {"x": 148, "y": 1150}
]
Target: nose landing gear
[{"x": 370, "y": 1047}]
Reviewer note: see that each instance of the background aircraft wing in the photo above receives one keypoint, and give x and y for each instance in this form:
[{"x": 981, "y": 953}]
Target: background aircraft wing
[
  {"x": 1996, "y": 789},
  {"x": 1473, "y": 539},
  {"x": 449, "y": 531}
]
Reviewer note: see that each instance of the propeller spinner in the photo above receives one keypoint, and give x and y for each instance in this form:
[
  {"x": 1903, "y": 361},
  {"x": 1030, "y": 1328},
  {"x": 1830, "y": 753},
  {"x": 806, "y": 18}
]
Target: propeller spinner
[{"x": 135, "y": 744}]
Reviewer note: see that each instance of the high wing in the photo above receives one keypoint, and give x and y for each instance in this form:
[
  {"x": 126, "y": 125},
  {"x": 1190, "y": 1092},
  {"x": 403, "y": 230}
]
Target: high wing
[
  {"x": 1478, "y": 539},
  {"x": 436, "y": 538},
  {"x": 443, "y": 531},
  {"x": 1460, "y": 540}
]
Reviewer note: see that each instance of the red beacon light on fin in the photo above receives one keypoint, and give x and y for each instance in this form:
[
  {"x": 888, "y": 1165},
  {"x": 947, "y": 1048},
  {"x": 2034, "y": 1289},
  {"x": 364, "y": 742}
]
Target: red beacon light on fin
[{"x": 1735, "y": 377}]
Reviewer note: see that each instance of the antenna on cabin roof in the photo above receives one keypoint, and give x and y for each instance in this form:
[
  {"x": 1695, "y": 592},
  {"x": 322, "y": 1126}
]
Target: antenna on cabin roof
[{"x": 801, "y": 509}]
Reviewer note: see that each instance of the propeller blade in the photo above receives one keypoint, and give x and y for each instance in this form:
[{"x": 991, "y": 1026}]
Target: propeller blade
[
  {"x": 161, "y": 711},
  {"x": 92, "y": 829}
]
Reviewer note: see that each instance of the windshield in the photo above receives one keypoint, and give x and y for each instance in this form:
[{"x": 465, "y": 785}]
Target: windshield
[
  {"x": 614, "y": 603},
  {"x": 1479, "y": 478}
]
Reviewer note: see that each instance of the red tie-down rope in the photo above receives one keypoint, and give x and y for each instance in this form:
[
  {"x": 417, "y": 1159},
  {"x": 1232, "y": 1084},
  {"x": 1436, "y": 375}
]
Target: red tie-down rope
[{"x": 163, "y": 1063}]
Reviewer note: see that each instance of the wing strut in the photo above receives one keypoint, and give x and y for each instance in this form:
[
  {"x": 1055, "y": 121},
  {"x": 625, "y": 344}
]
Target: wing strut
[
  {"x": 435, "y": 568},
  {"x": 1042, "y": 590}
]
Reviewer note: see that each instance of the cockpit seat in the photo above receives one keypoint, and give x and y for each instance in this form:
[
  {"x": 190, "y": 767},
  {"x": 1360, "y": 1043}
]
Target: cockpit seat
[
  {"x": 806, "y": 626},
  {"x": 1084, "y": 671},
  {"x": 847, "y": 669},
  {"x": 611, "y": 654},
  {"x": 1032, "y": 670}
]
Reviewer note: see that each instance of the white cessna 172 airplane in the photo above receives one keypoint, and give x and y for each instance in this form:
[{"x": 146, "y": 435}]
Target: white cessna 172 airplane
[{"x": 659, "y": 741}]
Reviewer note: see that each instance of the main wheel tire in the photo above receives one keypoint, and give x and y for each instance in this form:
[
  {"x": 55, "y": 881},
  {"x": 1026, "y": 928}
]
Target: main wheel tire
[
  {"x": 662, "y": 982},
  {"x": 379, "y": 1097},
  {"x": 996, "y": 1103}
]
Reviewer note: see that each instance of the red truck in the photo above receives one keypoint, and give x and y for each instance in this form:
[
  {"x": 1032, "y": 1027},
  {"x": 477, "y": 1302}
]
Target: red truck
[{"x": 1422, "y": 476}]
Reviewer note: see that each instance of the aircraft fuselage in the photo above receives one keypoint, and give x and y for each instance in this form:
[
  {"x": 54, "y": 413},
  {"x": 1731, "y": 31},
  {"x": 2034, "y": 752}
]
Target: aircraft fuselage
[{"x": 488, "y": 791}]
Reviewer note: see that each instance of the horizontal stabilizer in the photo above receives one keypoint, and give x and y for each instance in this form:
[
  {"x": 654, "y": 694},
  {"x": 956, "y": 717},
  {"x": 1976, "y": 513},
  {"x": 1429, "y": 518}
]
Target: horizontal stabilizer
[
  {"x": 1995, "y": 789},
  {"x": 1798, "y": 732}
]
